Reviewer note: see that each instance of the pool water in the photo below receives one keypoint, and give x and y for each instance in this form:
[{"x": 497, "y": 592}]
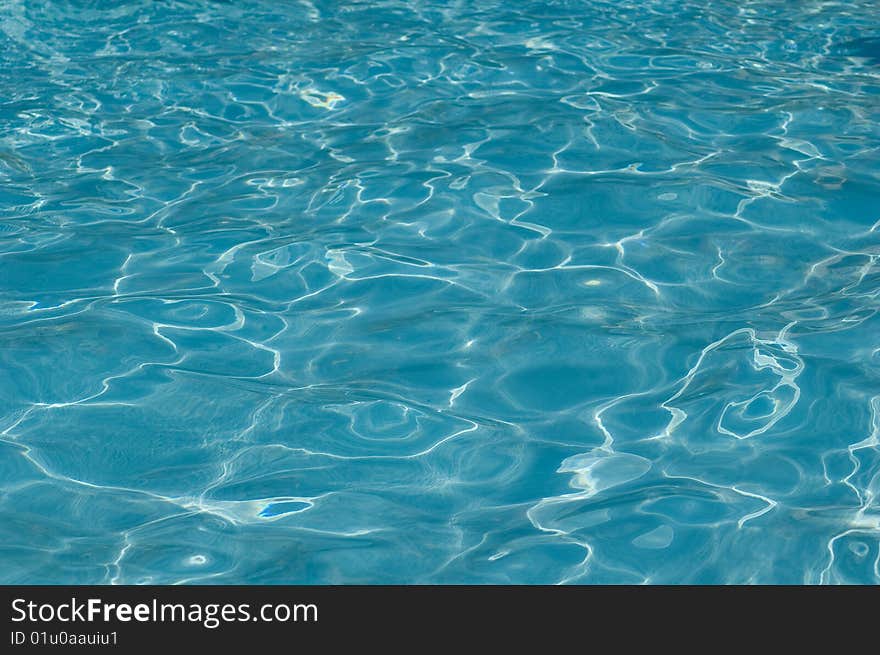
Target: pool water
[{"x": 439, "y": 292}]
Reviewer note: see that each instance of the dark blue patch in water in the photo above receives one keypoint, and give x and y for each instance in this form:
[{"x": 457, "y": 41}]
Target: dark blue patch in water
[
  {"x": 868, "y": 47},
  {"x": 277, "y": 509}
]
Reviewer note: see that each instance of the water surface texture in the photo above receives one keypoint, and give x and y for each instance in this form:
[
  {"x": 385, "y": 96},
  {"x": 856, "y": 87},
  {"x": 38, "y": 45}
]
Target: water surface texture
[{"x": 439, "y": 292}]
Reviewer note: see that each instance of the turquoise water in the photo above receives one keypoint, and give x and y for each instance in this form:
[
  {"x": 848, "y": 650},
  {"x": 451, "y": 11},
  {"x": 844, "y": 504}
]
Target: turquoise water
[{"x": 439, "y": 292}]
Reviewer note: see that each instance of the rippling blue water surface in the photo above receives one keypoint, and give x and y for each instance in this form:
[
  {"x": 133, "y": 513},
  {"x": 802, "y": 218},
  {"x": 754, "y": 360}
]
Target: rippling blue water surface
[{"x": 435, "y": 292}]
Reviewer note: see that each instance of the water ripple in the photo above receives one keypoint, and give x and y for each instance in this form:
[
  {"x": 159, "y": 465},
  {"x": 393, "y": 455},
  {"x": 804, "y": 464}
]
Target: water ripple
[{"x": 569, "y": 291}]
